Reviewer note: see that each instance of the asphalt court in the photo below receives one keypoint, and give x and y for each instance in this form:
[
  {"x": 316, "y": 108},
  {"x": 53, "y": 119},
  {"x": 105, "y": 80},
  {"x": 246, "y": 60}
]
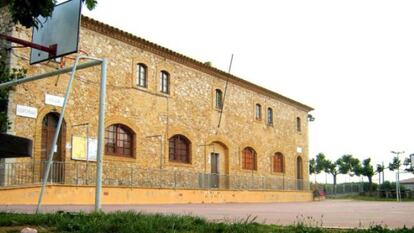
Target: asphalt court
[{"x": 326, "y": 213}]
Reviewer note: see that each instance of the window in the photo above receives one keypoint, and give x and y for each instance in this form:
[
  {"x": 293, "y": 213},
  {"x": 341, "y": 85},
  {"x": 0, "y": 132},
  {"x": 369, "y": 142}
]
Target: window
[
  {"x": 249, "y": 159},
  {"x": 165, "y": 82},
  {"x": 179, "y": 149},
  {"x": 269, "y": 116},
  {"x": 219, "y": 99},
  {"x": 258, "y": 112},
  {"x": 119, "y": 140},
  {"x": 141, "y": 75},
  {"x": 298, "y": 124},
  {"x": 278, "y": 162}
]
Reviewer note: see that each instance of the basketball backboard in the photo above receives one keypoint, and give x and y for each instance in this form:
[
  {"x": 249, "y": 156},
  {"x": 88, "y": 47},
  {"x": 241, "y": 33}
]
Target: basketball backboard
[
  {"x": 61, "y": 30},
  {"x": 14, "y": 147}
]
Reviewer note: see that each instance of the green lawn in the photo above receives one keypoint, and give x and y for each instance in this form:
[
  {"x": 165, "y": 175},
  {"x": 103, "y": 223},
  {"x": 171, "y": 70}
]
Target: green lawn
[{"x": 137, "y": 222}]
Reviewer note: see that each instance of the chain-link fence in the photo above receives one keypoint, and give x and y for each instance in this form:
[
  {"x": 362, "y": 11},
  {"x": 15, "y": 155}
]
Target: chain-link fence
[
  {"x": 343, "y": 189},
  {"x": 129, "y": 174}
]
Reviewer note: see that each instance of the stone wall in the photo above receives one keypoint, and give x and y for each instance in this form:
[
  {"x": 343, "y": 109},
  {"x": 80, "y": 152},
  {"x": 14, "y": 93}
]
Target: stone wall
[{"x": 188, "y": 109}]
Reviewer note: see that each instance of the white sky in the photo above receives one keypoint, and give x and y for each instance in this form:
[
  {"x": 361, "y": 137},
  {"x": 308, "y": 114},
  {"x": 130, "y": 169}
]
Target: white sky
[{"x": 353, "y": 60}]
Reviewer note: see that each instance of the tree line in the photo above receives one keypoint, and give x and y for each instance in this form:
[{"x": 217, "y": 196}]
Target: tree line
[{"x": 349, "y": 165}]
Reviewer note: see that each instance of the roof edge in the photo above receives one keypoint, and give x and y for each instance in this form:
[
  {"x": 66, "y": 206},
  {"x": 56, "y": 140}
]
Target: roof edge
[{"x": 131, "y": 39}]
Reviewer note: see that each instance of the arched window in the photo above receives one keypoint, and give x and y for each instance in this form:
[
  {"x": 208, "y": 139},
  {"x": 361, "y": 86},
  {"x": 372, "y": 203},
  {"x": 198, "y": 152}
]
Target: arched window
[
  {"x": 165, "y": 82},
  {"x": 179, "y": 149},
  {"x": 258, "y": 112},
  {"x": 249, "y": 159},
  {"x": 119, "y": 140},
  {"x": 278, "y": 162},
  {"x": 219, "y": 99},
  {"x": 270, "y": 116},
  {"x": 141, "y": 75},
  {"x": 298, "y": 124}
]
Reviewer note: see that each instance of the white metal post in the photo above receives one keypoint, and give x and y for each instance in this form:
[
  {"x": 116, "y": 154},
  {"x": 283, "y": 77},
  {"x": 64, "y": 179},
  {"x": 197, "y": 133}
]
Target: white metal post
[
  {"x": 56, "y": 136},
  {"x": 101, "y": 126},
  {"x": 72, "y": 69}
]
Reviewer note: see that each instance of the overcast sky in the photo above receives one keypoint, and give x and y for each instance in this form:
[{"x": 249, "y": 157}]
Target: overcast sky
[{"x": 353, "y": 60}]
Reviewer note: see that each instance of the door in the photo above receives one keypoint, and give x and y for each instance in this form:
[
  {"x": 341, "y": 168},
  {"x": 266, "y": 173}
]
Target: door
[
  {"x": 299, "y": 173},
  {"x": 214, "y": 180},
  {"x": 57, "y": 169}
]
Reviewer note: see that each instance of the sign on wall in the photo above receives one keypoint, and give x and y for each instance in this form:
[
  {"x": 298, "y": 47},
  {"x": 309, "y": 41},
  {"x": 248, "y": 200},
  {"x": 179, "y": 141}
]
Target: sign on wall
[
  {"x": 83, "y": 149},
  {"x": 54, "y": 100},
  {"x": 299, "y": 149},
  {"x": 26, "y": 111}
]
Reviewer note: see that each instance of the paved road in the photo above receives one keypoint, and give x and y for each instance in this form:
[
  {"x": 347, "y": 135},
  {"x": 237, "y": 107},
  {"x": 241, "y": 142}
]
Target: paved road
[{"x": 328, "y": 213}]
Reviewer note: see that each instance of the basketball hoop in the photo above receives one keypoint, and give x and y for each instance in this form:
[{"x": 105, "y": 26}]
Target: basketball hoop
[{"x": 58, "y": 36}]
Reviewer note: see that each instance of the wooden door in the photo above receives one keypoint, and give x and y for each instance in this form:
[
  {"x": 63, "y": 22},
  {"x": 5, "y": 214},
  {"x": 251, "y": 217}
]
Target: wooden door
[
  {"x": 49, "y": 125},
  {"x": 214, "y": 181},
  {"x": 299, "y": 173}
]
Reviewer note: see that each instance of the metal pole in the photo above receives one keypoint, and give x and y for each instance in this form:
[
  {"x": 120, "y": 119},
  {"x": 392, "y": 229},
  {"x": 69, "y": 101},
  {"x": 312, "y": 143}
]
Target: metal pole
[
  {"x": 225, "y": 92},
  {"x": 51, "y": 49},
  {"x": 398, "y": 186},
  {"x": 55, "y": 137},
  {"x": 49, "y": 74},
  {"x": 87, "y": 153},
  {"x": 397, "y": 176},
  {"x": 101, "y": 125}
]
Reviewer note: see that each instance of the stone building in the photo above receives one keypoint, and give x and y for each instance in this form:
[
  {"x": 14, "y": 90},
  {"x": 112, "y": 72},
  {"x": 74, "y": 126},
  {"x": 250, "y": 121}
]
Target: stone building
[{"x": 162, "y": 116}]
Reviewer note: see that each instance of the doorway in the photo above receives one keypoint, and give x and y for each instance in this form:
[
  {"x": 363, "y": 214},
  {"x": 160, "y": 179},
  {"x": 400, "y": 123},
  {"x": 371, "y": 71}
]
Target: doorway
[
  {"x": 49, "y": 125},
  {"x": 215, "y": 172},
  {"x": 299, "y": 173}
]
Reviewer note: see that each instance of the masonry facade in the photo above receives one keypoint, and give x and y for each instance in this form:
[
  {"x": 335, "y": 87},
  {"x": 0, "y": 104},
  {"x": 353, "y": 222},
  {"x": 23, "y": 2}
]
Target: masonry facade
[{"x": 162, "y": 113}]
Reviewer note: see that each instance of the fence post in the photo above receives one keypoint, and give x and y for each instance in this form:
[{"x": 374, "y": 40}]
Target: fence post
[
  {"x": 33, "y": 171},
  {"x": 77, "y": 173}
]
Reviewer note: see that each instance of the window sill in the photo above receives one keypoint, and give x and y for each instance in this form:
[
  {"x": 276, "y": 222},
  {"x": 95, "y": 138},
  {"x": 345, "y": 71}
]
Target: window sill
[
  {"x": 248, "y": 171},
  {"x": 218, "y": 109},
  {"x": 118, "y": 158},
  {"x": 141, "y": 88},
  {"x": 178, "y": 164},
  {"x": 164, "y": 94}
]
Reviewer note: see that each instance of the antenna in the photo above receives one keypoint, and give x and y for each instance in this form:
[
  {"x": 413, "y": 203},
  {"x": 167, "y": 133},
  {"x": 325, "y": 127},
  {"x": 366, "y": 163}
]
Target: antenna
[{"x": 225, "y": 91}]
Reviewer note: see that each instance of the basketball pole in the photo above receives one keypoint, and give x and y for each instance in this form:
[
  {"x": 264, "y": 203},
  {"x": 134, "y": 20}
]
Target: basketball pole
[
  {"x": 56, "y": 136},
  {"x": 101, "y": 126},
  {"x": 101, "y": 121}
]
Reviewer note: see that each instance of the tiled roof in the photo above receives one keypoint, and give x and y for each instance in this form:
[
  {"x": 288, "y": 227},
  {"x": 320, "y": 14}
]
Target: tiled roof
[
  {"x": 129, "y": 38},
  {"x": 407, "y": 181}
]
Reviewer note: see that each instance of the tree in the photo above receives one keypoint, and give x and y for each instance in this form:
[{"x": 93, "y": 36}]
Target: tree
[
  {"x": 380, "y": 169},
  {"x": 26, "y": 12},
  {"x": 312, "y": 166},
  {"x": 320, "y": 163},
  {"x": 347, "y": 164},
  {"x": 332, "y": 168},
  {"x": 395, "y": 164},
  {"x": 408, "y": 165},
  {"x": 5, "y": 76},
  {"x": 367, "y": 170}
]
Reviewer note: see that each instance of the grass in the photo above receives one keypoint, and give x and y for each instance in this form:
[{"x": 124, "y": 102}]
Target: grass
[
  {"x": 137, "y": 222},
  {"x": 369, "y": 198}
]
